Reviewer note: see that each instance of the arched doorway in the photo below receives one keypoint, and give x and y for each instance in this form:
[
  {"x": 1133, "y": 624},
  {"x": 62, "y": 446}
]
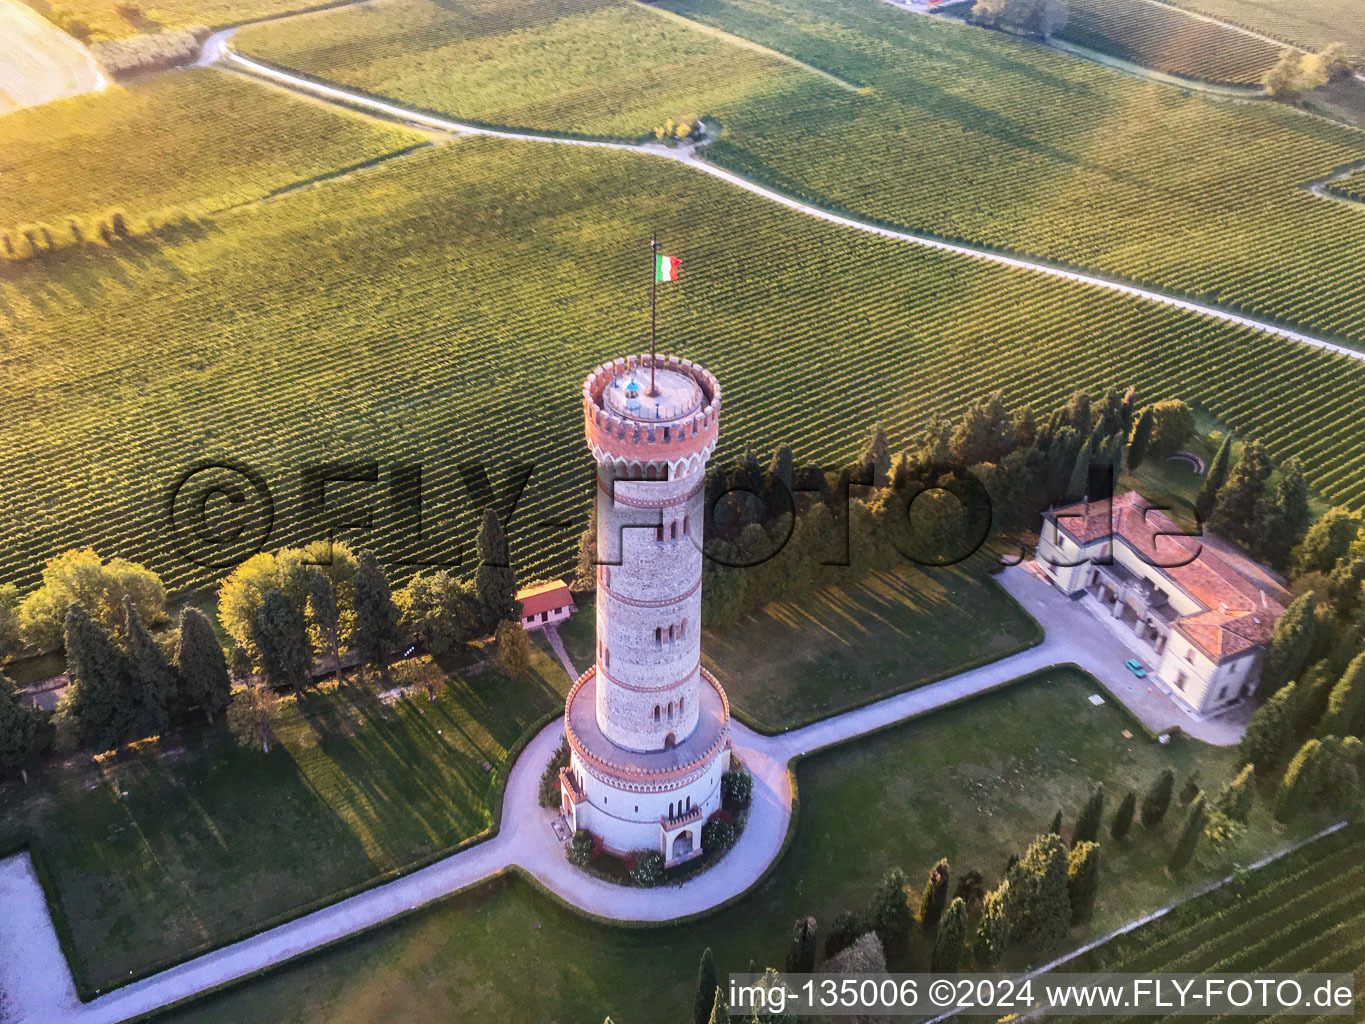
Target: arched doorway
[
  {"x": 670, "y": 741},
  {"x": 682, "y": 844}
]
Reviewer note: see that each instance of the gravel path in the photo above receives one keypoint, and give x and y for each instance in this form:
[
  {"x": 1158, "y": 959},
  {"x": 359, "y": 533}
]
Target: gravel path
[
  {"x": 687, "y": 155},
  {"x": 39, "y": 62}
]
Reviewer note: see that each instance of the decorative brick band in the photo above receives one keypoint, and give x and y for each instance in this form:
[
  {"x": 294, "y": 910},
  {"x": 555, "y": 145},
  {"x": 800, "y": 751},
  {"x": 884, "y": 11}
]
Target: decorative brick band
[
  {"x": 649, "y": 604},
  {"x": 649, "y": 689}
]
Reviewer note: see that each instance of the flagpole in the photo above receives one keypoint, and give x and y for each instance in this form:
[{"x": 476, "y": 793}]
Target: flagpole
[{"x": 653, "y": 305}]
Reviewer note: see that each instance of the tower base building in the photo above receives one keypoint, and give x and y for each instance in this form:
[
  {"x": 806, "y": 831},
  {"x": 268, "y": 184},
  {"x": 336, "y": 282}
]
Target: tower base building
[{"x": 648, "y": 728}]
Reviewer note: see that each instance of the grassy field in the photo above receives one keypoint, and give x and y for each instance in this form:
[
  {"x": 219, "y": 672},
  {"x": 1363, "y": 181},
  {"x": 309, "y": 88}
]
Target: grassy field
[
  {"x": 116, "y": 19},
  {"x": 1166, "y": 39},
  {"x": 973, "y": 783},
  {"x": 154, "y": 856},
  {"x": 846, "y": 645},
  {"x": 1309, "y": 23},
  {"x": 198, "y": 139},
  {"x": 442, "y": 307},
  {"x": 1305, "y": 913},
  {"x": 596, "y": 67}
]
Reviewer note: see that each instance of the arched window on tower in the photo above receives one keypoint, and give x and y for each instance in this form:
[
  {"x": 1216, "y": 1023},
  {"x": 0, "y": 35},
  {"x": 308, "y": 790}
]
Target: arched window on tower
[
  {"x": 670, "y": 711},
  {"x": 673, "y": 530},
  {"x": 656, "y": 713},
  {"x": 686, "y": 520},
  {"x": 658, "y": 636},
  {"x": 680, "y": 705},
  {"x": 670, "y": 634},
  {"x": 659, "y": 533},
  {"x": 682, "y": 630}
]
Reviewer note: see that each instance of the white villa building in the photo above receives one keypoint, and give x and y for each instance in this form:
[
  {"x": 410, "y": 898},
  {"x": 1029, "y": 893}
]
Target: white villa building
[
  {"x": 1202, "y": 610},
  {"x": 648, "y": 728}
]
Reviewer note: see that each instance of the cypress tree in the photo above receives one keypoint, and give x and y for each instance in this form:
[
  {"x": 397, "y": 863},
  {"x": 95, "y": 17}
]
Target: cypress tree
[
  {"x": 1078, "y": 484},
  {"x": 935, "y": 895},
  {"x": 1025, "y": 428},
  {"x": 1236, "y": 797},
  {"x": 18, "y": 726},
  {"x": 1056, "y": 826},
  {"x": 376, "y": 616},
  {"x": 889, "y": 911},
  {"x": 781, "y": 476},
  {"x": 1265, "y": 744},
  {"x": 203, "y": 669},
  {"x": 1346, "y": 702},
  {"x": 281, "y": 641},
  {"x": 801, "y": 955},
  {"x": 952, "y": 935},
  {"x": 846, "y": 929},
  {"x": 1142, "y": 436},
  {"x": 1283, "y": 517},
  {"x": 1214, "y": 478},
  {"x": 97, "y": 699},
  {"x": 1158, "y": 799},
  {"x": 1083, "y": 880},
  {"x": 151, "y": 680},
  {"x": 1191, "y": 789},
  {"x": 1237, "y": 509},
  {"x": 1328, "y": 540},
  {"x": 326, "y": 616},
  {"x": 1300, "y": 782},
  {"x": 1091, "y": 817},
  {"x": 992, "y": 933},
  {"x": 1123, "y": 817},
  {"x": 495, "y": 583},
  {"x": 1291, "y": 645},
  {"x": 1196, "y": 817},
  {"x": 876, "y": 457},
  {"x": 719, "y": 1013},
  {"x": 707, "y": 987},
  {"x": 1044, "y": 909}
]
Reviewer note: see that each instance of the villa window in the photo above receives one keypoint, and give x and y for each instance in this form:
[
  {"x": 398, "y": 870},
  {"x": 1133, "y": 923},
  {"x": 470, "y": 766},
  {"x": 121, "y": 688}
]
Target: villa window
[{"x": 1189, "y": 655}]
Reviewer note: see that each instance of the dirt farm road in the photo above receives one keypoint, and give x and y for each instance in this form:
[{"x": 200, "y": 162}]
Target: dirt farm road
[
  {"x": 217, "y": 48},
  {"x": 39, "y": 62}
]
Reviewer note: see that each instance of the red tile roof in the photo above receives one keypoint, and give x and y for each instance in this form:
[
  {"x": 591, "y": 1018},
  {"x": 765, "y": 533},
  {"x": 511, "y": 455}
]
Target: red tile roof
[
  {"x": 1241, "y": 600},
  {"x": 545, "y": 597}
]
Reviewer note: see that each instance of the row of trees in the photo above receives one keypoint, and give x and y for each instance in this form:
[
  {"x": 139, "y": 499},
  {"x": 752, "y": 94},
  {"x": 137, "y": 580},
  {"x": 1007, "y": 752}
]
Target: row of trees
[{"x": 284, "y": 612}]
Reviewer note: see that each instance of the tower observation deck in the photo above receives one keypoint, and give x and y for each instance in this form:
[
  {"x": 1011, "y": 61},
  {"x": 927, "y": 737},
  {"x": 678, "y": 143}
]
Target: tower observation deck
[{"x": 647, "y": 726}]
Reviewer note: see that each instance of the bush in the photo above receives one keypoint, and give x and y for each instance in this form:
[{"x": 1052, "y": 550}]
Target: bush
[
  {"x": 549, "y": 779},
  {"x": 585, "y": 848},
  {"x": 717, "y": 834},
  {"x": 648, "y": 869},
  {"x": 737, "y": 787}
]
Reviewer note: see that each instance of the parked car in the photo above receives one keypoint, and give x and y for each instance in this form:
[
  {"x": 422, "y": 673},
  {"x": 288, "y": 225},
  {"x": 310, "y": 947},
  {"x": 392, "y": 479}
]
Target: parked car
[{"x": 1135, "y": 667}]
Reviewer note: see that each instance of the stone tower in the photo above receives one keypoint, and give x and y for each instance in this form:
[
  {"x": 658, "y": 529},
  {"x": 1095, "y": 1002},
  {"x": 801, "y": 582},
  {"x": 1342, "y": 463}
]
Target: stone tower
[{"x": 647, "y": 726}]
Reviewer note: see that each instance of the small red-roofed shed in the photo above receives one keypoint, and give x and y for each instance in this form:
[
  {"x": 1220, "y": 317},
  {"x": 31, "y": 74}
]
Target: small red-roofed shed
[{"x": 545, "y": 603}]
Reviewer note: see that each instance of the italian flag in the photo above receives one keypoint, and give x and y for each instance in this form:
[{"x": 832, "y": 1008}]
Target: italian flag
[{"x": 665, "y": 268}]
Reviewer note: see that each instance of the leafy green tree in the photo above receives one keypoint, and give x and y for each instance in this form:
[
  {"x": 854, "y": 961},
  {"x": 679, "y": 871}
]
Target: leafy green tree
[
  {"x": 1091, "y": 817},
  {"x": 1157, "y": 800},
  {"x": 1214, "y": 479},
  {"x": 291, "y": 571},
  {"x": 18, "y": 727},
  {"x": 495, "y": 582},
  {"x": 440, "y": 609},
  {"x": 96, "y": 702},
  {"x": 845, "y": 931},
  {"x": 1083, "y": 880},
  {"x": 325, "y": 617},
  {"x": 1123, "y": 817},
  {"x": 1265, "y": 744},
  {"x": 708, "y": 984},
  {"x": 992, "y": 933},
  {"x": 950, "y": 940},
  {"x": 248, "y": 715},
  {"x": 376, "y": 616},
  {"x": 876, "y": 457},
  {"x": 99, "y": 587},
  {"x": 514, "y": 649},
  {"x": 11, "y": 636},
  {"x": 1283, "y": 517},
  {"x": 1196, "y": 818},
  {"x": 1025, "y": 428},
  {"x": 1346, "y": 702},
  {"x": 1172, "y": 426},
  {"x": 935, "y": 896},
  {"x": 1239, "y": 505},
  {"x": 1141, "y": 439},
  {"x": 1344, "y": 587},
  {"x": 281, "y": 640},
  {"x": 1322, "y": 775},
  {"x": 889, "y": 911},
  {"x": 1291, "y": 645},
  {"x": 203, "y": 670},
  {"x": 1328, "y": 540}
]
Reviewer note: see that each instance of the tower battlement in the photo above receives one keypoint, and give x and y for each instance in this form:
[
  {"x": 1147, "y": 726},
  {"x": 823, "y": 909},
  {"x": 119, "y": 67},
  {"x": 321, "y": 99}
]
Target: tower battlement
[{"x": 677, "y": 426}]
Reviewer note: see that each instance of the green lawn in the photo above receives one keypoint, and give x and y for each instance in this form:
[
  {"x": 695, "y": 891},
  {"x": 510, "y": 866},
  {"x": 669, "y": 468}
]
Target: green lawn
[
  {"x": 853, "y": 643},
  {"x": 849, "y": 644},
  {"x": 974, "y": 783},
  {"x": 156, "y": 855}
]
